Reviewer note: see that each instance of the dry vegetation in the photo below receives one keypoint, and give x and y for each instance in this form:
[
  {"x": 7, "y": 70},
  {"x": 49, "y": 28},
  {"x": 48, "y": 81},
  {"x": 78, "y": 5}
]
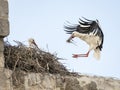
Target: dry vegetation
[
  {"x": 20, "y": 58},
  {"x": 28, "y": 59}
]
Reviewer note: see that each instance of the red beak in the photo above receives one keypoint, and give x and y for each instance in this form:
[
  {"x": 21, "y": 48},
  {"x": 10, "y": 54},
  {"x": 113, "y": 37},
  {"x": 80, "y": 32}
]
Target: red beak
[{"x": 70, "y": 38}]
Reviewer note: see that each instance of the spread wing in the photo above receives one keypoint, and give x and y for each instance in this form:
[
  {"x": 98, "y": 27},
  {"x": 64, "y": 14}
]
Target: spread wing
[{"x": 86, "y": 26}]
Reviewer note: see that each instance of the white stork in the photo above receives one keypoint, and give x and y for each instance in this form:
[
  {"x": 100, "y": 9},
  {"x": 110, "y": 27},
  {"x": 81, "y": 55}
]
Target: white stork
[
  {"x": 88, "y": 31},
  {"x": 32, "y": 43}
]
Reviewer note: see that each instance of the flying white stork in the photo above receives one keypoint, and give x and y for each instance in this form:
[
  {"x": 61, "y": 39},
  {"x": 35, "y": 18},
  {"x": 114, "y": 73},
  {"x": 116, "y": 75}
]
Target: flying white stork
[{"x": 88, "y": 31}]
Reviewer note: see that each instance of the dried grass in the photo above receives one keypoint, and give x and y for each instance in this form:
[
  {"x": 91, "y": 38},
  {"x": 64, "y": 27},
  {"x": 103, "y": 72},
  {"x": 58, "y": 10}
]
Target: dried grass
[
  {"x": 22, "y": 59},
  {"x": 32, "y": 60}
]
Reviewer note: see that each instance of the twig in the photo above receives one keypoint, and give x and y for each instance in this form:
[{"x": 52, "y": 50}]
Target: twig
[
  {"x": 47, "y": 47},
  {"x": 16, "y": 63}
]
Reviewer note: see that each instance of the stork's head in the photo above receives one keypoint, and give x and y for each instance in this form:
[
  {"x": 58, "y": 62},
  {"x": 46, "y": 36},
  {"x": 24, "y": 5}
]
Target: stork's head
[
  {"x": 74, "y": 34},
  {"x": 31, "y": 40}
]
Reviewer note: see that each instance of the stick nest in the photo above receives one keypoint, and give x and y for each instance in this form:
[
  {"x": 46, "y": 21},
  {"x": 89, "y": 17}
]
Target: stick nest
[{"x": 22, "y": 58}]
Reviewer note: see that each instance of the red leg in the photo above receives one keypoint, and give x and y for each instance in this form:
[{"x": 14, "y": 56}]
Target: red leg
[{"x": 80, "y": 55}]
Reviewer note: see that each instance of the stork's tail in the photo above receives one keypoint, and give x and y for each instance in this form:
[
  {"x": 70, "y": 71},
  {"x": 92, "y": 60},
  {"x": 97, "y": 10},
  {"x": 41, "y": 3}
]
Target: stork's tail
[{"x": 97, "y": 53}]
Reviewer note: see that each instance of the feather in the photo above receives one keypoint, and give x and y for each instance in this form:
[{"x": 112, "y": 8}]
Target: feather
[
  {"x": 84, "y": 22},
  {"x": 87, "y": 19},
  {"x": 88, "y": 31},
  {"x": 86, "y": 26}
]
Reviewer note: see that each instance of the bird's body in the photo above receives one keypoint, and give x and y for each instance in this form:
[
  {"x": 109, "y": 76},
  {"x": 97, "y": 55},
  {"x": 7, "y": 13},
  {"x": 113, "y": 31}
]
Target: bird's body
[
  {"x": 90, "y": 32},
  {"x": 32, "y": 43}
]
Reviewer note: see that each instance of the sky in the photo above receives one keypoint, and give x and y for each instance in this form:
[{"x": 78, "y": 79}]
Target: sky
[{"x": 44, "y": 21}]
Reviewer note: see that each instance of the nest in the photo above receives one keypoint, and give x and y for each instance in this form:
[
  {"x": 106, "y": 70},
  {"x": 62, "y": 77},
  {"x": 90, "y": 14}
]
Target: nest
[
  {"x": 22, "y": 59},
  {"x": 28, "y": 59}
]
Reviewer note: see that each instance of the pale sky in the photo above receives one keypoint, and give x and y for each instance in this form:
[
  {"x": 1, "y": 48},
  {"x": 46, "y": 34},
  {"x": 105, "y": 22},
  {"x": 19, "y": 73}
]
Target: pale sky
[{"x": 44, "y": 21}]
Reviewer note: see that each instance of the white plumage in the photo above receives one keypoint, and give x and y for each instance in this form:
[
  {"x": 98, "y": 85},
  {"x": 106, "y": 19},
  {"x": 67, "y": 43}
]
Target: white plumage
[
  {"x": 90, "y": 32},
  {"x": 32, "y": 43}
]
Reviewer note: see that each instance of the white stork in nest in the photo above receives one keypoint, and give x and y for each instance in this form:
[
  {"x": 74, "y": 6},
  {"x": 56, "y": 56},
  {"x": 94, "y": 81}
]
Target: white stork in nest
[
  {"x": 32, "y": 43},
  {"x": 88, "y": 31}
]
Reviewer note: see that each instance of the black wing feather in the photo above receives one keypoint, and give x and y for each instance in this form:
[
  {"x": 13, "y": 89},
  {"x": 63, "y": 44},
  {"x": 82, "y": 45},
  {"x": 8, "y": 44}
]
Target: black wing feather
[
  {"x": 82, "y": 27},
  {"x": 84, "y": 22},
  {"x": 86, "y": 27},
  {"x": 101, "y": 35},
  {"x": 87, "y": 19}
]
